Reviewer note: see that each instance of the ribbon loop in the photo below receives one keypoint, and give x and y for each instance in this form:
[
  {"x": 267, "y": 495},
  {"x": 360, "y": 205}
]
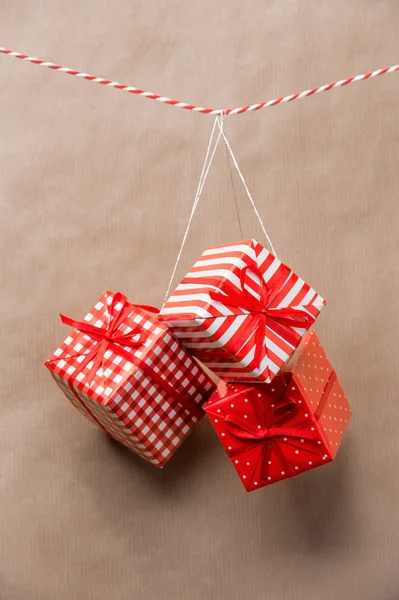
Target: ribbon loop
[
  {"x": 242, "y": 432},
  {"x": 108, "y": 335}
]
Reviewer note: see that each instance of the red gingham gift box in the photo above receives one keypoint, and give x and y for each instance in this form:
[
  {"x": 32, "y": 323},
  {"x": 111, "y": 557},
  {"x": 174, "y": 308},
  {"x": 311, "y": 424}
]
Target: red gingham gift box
[
  {"x": 241, "y": 311},
  {"x": 278, "y": 430},
  {"x": 126, "y": 372}
]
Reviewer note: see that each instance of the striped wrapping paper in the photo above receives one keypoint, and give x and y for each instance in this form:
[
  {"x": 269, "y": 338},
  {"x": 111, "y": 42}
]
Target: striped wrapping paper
[{"x": 212, "y": 330}]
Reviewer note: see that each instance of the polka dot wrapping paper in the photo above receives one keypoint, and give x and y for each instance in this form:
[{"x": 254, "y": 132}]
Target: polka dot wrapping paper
[
  {"x": 143, "y": 388},
  {"x": 241, "y": 311},
  {"x": 278, "y": 430}
]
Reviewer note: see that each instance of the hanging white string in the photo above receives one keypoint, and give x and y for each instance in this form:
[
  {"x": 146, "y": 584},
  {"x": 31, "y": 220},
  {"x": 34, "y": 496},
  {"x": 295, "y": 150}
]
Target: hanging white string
[
  {"x": 246, "y": 188},
  {"x": 203, "y": 176},
  {"x": 232, "y": 184}
]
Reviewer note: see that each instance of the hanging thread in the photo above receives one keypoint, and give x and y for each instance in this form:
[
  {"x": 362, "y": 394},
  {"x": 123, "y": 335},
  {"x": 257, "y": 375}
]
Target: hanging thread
[
  {"x": 247, "y": 190},
  {"x": 204, "y": 174},
  {"x": 232, "y": 182}
]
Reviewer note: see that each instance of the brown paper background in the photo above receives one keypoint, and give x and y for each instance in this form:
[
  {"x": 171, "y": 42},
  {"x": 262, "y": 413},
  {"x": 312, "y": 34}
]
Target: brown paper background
[{"x": 95, "y": 188}]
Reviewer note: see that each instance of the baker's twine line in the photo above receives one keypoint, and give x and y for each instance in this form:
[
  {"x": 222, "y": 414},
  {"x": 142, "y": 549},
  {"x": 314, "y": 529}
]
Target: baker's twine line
[{"x": 199, "y": 109}]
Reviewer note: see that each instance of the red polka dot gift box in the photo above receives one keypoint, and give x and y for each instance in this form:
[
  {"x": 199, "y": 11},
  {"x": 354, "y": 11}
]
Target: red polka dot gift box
[
  {"x": 127, "y": 373},
  {"x": 278, "y": 430},
  {"x": 241, "y": 311}
]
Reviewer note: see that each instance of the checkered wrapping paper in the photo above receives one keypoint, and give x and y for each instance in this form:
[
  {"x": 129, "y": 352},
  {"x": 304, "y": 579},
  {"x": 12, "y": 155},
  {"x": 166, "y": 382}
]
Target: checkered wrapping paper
[
  {"x": 212, "y": 330},
  {"x": 128, "y": 404}
]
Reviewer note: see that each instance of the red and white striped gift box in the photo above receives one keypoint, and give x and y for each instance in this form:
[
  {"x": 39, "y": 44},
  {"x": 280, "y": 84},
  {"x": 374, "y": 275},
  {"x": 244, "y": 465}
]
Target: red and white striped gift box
[
  {"x": 126, "y": 372},
  {"x": 241, "y": 311}
]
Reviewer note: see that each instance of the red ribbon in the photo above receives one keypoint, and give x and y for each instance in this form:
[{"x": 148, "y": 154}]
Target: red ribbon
[
  {"x": 261, "y": 309},
  {"x": 275, "y": 426},
  {"x": 108, "y": 337}
]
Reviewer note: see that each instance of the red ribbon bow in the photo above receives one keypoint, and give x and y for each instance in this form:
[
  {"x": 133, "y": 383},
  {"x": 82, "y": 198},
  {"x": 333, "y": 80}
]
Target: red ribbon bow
[
  {"x": 261, "y": 309},
  {"x": 275, "y": 427},
  {"x": 270, "y": 435},
  {"x": 109, "y": 336}
]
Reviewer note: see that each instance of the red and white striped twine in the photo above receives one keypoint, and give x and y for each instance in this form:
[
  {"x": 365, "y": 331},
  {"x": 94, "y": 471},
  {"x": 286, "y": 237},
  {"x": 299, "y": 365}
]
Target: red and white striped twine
[{"x": 192, "y": 107}]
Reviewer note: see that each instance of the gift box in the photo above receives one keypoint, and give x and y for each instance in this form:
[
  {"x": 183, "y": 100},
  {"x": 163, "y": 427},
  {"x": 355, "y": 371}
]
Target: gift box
[
  {"x": 241, "y": 311},
  {"x": 127, "y": 373},
  {"x": 278, "y": 430}
]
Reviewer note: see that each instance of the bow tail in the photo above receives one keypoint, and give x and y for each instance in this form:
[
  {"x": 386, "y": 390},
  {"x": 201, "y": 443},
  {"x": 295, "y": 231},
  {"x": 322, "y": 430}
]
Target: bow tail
[
  {"x": 261, "y": 348},
  {"x": 264, "y": 458},
  {"x": 100, "y": 350},
  {"x": 285, "y": 465},
  {"x": 299, "y": 318},
  {"x": 246, "y": 329},
  {"x": 96, "y": 332}
]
